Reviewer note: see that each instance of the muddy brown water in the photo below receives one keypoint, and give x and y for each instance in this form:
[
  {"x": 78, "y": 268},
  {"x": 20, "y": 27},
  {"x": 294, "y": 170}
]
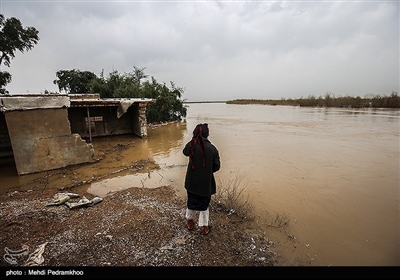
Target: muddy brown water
[{"x": 334, "y": 173}]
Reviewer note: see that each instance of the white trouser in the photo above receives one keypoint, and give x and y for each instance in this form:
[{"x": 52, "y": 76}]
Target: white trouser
[{"x": 203, "y": 216}]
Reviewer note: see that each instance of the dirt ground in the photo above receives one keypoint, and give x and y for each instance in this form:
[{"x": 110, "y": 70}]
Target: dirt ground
[{"x": 133, "y": 227}]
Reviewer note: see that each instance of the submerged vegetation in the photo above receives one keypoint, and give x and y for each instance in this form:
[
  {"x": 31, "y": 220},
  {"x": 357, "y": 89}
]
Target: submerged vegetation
[
  {"x": 329, "y": 100},
  {"x": 233, "y": 198}
]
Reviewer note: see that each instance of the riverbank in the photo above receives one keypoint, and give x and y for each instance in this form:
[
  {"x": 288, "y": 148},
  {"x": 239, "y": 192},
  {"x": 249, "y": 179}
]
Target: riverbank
[
  {"x": 329, "y": 100},
  {"x": 129, "y": 228}
]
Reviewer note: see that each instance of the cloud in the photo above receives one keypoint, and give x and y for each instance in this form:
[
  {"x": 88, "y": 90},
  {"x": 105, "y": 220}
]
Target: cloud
[{"x": 216, "y": 50}]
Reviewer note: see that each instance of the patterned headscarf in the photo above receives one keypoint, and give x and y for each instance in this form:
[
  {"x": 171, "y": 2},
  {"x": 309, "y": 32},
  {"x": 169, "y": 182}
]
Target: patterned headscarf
[{"x": 200, "y": 132}]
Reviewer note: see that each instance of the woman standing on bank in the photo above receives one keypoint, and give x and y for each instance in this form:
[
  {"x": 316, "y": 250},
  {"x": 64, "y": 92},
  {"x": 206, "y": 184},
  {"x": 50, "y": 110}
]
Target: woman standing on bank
[{"x": 200, "y": 182}]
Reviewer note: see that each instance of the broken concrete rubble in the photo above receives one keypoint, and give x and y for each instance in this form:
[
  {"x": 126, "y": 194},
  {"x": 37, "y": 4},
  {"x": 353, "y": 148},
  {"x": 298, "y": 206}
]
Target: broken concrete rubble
[{"x": 63, "y": 198}]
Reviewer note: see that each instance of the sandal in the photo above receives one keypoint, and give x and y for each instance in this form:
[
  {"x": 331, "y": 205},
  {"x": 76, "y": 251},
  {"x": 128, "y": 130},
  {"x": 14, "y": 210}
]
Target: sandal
[
  {"x": 190, "y": 224},
  {"x": 206, "y": 230}
]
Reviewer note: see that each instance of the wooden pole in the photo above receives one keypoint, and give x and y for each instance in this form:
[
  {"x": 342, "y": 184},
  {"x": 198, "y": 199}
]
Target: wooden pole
[{"x": 89, "y": 124}]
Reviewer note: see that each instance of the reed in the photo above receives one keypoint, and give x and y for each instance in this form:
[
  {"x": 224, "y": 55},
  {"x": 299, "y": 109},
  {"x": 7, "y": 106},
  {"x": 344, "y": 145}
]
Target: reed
[
  {"x": 330, "y": 100},
  {"x": 277, "y": 220},
  {"x": 232, "y": 198}
]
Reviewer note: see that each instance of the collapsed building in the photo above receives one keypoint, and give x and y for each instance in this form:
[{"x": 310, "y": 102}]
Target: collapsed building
[{"x": 50, "y": 131}]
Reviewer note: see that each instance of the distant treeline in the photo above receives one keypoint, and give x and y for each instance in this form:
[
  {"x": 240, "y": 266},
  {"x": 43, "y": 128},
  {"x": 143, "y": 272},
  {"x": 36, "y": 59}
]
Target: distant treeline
[
  {"x": 329, "y": 100},
  {"x": 188, "y": 102}
]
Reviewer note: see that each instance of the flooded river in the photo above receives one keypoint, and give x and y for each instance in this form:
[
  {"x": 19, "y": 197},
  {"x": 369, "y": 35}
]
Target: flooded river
[{"x": 333, "y": 172}]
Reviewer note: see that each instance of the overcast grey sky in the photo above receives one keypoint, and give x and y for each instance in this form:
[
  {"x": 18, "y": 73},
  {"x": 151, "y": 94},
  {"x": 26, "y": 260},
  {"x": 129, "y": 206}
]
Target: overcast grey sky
[{"x": 216, "y": 50}]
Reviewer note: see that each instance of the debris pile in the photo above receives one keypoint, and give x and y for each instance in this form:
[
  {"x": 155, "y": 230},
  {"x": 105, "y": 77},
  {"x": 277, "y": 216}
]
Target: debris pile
[{"x": 64, "y": 198}]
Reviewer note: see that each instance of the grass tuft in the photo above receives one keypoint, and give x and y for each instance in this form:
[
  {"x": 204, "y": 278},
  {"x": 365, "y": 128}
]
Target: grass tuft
[{"x": 232, "y": 198}]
